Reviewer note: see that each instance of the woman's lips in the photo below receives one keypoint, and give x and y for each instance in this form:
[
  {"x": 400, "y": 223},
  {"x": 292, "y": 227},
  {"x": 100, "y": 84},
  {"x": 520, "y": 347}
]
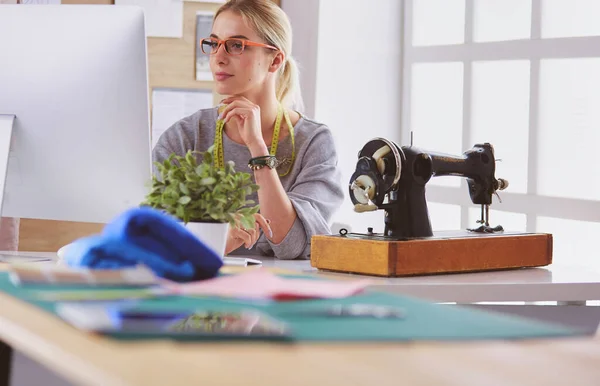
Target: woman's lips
[{"x": 221, "y": 76}]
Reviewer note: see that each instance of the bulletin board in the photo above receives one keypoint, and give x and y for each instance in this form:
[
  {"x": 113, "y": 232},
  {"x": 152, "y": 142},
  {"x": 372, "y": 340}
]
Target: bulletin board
[{"x": 171, "y": 64}]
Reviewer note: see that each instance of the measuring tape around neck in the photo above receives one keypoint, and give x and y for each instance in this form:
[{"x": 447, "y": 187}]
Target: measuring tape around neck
[{"x": 219, "y": 159}]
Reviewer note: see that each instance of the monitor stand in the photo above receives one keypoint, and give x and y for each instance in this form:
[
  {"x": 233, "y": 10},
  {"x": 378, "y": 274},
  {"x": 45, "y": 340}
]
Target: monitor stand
[{"x": 6, "y": 130}]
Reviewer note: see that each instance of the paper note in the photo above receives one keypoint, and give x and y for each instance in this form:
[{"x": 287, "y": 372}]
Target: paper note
[
  {"x": 98, "y": 295},
  {"x": 63, "y": 275},
  {"x": 171, "y": 105},
  {"x": 164, "y": 18},
  {"x": 56, "y": 2},
  {"x": 260, "y": 284},
  {"x": 21, "y": 259}
]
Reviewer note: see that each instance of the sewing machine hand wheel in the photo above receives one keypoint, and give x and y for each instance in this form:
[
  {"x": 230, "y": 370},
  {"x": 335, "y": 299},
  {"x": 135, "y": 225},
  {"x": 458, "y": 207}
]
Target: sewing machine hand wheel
[{"x": 377, "y": 171}]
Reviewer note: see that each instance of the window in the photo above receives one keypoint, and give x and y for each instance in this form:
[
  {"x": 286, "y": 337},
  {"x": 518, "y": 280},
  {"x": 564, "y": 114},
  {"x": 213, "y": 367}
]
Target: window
[{"x": 523, "y": 75}]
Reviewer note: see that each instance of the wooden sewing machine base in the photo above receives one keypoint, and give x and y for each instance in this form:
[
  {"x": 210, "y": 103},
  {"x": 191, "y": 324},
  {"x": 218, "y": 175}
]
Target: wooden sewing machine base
[{"x": 445, "y": 252}]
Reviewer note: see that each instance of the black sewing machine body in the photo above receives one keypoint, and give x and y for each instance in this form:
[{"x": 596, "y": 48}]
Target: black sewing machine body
[{"x": 393, "y": 178}]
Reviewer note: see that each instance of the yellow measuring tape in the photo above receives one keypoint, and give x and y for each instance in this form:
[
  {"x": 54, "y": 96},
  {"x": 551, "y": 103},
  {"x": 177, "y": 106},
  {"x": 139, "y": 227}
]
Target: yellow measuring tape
[{"x": 281, "y": 113}]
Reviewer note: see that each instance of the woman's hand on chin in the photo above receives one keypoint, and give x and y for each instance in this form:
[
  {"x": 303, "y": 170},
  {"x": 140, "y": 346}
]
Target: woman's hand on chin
[{"x": 246, "y": 116}]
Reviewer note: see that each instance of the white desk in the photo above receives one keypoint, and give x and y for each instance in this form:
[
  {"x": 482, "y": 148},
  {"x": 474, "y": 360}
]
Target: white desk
[
  {"x": 570, "y": 287},
  {"x": 564, "y": 284},
  {"x": 554, "y": 283}
]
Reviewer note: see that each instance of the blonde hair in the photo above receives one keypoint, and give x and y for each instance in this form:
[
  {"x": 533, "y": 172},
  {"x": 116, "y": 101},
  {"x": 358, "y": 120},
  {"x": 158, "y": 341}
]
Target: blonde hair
[{"x": 273, "y": 26}]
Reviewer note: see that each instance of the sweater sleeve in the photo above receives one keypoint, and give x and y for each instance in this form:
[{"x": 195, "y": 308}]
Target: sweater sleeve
[
  {"x": 316, "y": 194},
  {"x": 176, "y": 139}
]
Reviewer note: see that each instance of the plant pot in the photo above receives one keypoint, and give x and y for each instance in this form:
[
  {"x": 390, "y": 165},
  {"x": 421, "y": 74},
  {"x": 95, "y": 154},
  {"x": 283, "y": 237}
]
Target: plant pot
[{"x": 213, "y": 234}]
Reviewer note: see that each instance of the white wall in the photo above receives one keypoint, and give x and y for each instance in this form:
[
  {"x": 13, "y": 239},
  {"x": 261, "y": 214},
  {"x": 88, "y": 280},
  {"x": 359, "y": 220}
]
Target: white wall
[
  {"x": 356, "y": 64},
  {"x": 304, "y": 16}
]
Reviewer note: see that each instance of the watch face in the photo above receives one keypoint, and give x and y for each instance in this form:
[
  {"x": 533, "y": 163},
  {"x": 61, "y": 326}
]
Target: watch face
[{"x": 272, "y": 162}]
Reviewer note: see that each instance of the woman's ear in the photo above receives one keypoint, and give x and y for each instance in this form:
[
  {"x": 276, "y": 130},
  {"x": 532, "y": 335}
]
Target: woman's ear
[{"x": 277, "y": 62}]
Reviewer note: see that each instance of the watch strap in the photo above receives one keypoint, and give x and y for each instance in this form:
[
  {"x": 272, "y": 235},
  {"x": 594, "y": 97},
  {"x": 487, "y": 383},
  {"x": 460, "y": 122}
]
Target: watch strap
[{"x": 257, "y": 163}]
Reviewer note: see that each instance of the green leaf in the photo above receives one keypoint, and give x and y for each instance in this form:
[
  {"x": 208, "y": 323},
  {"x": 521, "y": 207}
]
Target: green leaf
[
  {"x": 248, "y": 222},
  {"x": 208, "y": 181},
  {"x": 180, "y": 212},
  {"x": 220, "y": 200},
  {"x": 208, "y": 157},
  {"x": 184, "y": 200},
  {"x": 184, "y": 189},
  {"x": 189, "y": 158},
  {"x": 169, "y": 201}
]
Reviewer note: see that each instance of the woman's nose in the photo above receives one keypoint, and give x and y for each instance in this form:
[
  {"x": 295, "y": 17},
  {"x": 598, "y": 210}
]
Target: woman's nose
[
  {"x": 221, "y": 50},
  {"x": 220, "y": 56}
]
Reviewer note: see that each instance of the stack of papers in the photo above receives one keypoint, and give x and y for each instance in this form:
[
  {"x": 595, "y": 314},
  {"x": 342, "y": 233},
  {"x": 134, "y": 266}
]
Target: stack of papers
[{"x": 63, "y": 275}]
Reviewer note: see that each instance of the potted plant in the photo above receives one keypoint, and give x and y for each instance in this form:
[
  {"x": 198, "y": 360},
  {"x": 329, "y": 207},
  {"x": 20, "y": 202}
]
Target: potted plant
[{"x": 207, "y": 199}]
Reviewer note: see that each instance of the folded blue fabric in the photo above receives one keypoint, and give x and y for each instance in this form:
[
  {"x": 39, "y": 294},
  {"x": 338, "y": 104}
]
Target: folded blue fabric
[
  {"x": 100, "y": 252},
  {"x": 161, "y": 234},
  {"x": 150, "y": 237}
]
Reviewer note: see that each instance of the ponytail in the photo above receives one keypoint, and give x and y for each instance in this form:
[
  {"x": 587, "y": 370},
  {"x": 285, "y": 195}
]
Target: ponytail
[{"x": 288, "y": 86}]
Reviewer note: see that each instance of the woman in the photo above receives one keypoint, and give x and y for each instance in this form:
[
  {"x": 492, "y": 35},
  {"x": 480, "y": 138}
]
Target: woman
[{"x": 250, "y": 58}]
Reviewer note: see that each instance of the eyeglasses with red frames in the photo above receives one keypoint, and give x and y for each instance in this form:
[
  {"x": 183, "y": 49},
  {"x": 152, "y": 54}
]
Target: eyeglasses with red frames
[{"x": 232, "y": 46}]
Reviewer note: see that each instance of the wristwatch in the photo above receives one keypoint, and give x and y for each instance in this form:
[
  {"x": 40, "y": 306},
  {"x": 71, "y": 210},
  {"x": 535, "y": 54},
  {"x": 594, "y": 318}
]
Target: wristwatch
[{"x": 258, "y": 163}]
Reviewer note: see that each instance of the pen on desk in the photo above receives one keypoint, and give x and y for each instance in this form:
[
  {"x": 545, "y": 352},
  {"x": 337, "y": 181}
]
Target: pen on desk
[{"x": 356, "y": 310}]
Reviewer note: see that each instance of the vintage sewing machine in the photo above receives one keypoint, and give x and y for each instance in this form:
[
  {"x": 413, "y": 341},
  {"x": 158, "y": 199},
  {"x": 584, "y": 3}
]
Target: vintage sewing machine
[{"x": 393, "y": 178}]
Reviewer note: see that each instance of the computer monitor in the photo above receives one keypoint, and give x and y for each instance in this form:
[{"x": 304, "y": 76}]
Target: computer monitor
[{"x": 73, "y": 111}]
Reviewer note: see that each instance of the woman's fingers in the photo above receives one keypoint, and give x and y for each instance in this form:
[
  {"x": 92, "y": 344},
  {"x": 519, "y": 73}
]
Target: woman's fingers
[
  {"x": 240, "y": 112},
  {"x": 264, "y": 224},
  {"x": 255, "y": 234},
  {"x": 233, "y": 242},
  {"x": 233, "y": 105},
  {"x": 250, "y": 236},
  {"x": 243, "y": 235}
]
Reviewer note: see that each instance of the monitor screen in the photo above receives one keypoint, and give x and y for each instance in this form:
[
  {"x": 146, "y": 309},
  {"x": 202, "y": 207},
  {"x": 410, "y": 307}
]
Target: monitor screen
[{"x": 74, "y": 106}]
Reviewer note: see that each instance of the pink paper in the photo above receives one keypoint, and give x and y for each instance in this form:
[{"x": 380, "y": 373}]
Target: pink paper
[{"x": 261, "y": 284}]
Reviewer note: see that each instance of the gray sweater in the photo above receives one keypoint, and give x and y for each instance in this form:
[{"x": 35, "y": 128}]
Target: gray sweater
[{"x": 313, "y": 185}]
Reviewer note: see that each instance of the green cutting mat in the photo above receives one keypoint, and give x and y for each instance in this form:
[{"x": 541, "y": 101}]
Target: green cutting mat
[{"x": 423, "y": 320}]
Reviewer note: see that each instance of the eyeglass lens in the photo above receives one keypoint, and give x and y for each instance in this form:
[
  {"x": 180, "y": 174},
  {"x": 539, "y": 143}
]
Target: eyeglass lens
[{"x": 232, "y": 46}]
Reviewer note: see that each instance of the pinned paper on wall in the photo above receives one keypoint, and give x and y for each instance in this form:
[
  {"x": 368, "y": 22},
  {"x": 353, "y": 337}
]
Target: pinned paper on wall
[
  {"x": 204, "y": 21},
  {"x": 171, "y": 105},
  {"x": 164, "y": 18}
]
